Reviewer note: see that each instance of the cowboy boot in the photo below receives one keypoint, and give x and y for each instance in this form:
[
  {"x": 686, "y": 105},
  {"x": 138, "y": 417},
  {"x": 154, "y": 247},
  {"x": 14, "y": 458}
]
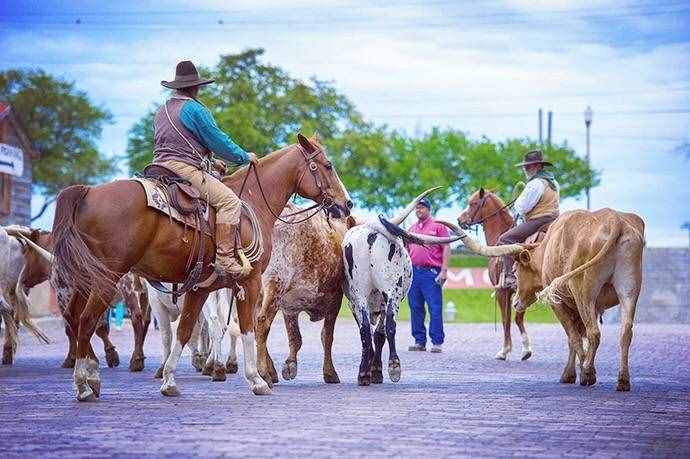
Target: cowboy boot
[
  {"x": 226, "y": 258},
  {"x": 509, "y": 279}
]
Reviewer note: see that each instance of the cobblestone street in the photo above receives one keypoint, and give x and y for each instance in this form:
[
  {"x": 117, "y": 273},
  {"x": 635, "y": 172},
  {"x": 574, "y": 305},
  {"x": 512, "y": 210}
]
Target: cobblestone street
[{"x": 461, "y": 402}]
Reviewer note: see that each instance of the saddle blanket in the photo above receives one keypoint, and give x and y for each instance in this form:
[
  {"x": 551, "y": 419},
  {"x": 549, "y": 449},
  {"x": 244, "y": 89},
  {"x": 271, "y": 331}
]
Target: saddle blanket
[{"x": 157, "y": 198}]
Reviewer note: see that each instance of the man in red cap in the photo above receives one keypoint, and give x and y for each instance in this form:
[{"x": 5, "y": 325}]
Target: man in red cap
[{"x": 186, "y": 137}]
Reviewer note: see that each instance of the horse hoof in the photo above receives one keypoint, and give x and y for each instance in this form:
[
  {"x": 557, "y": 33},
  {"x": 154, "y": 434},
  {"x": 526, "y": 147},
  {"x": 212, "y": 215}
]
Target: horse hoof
[
  {"x": 208, "y": 369},
  {"x": 394, "y": 370},
  {"x": 112, "y": 358},
  {"x": 501, "y": 355},
  {"x": 364, "y": 379},
  {"x": 170, "y": 391},
  {"x": 289, "y": 370},
  {"x": 377, "y": 376},
  {"x": 231, "y": 368},
  {"x": 623, "y": 386},
  {"x": 136, "y": 364},
  {"x": 218, "y": 373},
  {"x": 159, "y": 373},
  {"x": 261, "y": 389},
  {"x": 331, "y": 378},
  {"x": 526, "y": 355}
]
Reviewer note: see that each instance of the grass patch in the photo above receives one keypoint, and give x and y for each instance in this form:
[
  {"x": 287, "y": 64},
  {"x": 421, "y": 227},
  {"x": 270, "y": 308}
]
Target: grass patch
[
  {"x": 460, "y": 260},
  {"x": 472, "y": 306}
]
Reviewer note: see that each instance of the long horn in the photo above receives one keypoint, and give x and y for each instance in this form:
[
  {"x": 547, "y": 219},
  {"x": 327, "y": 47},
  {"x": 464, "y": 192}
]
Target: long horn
[
  {"x": 487, "y": 251},
  {"x": 17, "y": 230},
  {"x": 398, "y": 219},
  {"x": 415, "y": 238},
  {"x": 40, "y": 250}
]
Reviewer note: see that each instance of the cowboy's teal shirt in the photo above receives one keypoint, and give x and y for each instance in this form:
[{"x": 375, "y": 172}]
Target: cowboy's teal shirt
[{"x": 199, "y": 121}]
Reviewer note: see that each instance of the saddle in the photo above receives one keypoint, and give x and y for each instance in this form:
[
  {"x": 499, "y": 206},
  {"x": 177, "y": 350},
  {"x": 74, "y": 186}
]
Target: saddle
[{"x": 183, "y": 197}]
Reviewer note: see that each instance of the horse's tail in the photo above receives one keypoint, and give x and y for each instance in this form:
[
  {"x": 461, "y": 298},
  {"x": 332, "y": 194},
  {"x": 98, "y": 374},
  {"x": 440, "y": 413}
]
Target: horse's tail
[{"x": 75, "y": 265}]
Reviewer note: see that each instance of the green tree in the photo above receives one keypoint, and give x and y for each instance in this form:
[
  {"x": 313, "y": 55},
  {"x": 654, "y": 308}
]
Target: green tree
[
  {"x": 63, "y": 125},
  {"x": 261, "y": 107}
]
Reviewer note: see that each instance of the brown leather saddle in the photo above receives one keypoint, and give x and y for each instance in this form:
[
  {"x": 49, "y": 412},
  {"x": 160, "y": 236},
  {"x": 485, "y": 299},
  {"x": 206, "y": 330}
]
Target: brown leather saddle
[{"x": 182, "y": 195}]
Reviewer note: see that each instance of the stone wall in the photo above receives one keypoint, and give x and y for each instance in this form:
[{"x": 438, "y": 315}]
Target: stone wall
[{"x": 665, "y": 296}]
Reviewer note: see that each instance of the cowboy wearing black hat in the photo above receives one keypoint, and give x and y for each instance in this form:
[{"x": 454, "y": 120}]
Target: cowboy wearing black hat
[
  {"x": 537, "y": 205},
  {"x": 186, "y": 137}
]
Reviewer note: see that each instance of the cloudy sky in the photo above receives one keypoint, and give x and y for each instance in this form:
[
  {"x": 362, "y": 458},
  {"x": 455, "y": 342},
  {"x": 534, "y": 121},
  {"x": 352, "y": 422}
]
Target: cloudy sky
[{"x": 482, "y": 67}]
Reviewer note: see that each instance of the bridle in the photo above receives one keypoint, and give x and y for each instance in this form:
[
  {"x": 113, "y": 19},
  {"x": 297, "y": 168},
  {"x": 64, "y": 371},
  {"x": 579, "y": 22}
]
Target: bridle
[
  {"x": 309, "y": 158},
  {"x": 482, "y": 201}
]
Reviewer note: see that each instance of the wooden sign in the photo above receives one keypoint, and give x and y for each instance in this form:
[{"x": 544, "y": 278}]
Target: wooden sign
[{"x": 11, "y": 160}]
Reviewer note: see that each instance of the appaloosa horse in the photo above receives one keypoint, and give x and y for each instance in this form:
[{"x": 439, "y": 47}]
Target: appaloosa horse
[
  {"x": 486, "y": 209},
  {"x": 105, "y": 231}
]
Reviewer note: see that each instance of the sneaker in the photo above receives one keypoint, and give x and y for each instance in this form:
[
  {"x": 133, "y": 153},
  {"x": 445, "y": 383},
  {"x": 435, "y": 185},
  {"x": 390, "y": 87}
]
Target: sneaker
[
  {"x": 417, "y": 347},
  {"x": 437, "y": 348}
]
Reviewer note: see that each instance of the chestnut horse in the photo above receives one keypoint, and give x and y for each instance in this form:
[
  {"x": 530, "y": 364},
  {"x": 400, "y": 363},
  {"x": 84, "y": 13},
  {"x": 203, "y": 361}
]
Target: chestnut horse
[
  {"x": 487, "y": 209},
  {"x": 104, "y": 231}
]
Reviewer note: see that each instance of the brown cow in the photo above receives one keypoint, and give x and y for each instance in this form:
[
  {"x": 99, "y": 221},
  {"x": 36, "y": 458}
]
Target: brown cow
[
  {"x": 588, "y": 262},
  {"x": 305, "y": 273}
]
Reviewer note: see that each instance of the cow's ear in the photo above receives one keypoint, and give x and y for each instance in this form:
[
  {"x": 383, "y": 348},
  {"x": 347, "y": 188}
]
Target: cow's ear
[
  {"x": 481, "y": 193},
  {"x": 35, "y": 234},
  {"x": 524, "y": 257}
]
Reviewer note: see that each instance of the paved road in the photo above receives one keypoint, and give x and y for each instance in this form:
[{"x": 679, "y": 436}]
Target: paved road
[{"x": 461, "y": 402}]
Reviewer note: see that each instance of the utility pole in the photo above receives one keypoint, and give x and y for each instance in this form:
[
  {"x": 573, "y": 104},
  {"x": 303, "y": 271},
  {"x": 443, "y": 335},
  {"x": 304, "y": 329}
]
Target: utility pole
[
  {"x": 541, "y": 136},
  {"x": 686, "y": 226},
  {"x": 588, "y": 123},
  {"x": 548, "y": 129}
]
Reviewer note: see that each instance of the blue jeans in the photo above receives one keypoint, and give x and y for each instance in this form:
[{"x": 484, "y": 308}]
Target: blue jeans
[{"x": 425, "y": 289}]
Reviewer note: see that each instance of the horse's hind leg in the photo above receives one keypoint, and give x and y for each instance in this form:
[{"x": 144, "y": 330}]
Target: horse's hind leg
[
  {"x": 112, "y": 358},
  {"x": 520, "y": 322},
  {"x": 86, "y": 378}
]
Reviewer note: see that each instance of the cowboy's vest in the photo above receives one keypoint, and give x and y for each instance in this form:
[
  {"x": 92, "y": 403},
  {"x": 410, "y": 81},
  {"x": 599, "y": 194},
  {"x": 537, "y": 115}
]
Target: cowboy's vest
[
  {"x": 169, "y": 145},
  {"x": 547, "y": 205}
]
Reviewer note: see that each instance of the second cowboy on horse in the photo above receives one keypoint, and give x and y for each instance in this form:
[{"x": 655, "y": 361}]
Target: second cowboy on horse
[
  {"x": 186, "y": 137},
  {"x": 537, "y": 205}
]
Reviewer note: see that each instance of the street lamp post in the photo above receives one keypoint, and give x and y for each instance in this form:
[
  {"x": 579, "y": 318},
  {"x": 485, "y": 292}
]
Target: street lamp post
[{"x": 588, "y": 123}]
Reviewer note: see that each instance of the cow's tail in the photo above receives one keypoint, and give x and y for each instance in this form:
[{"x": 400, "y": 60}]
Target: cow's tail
[
  {"x": 75, "y": 265},
  {"x": 553, "y": 292},
  {"x": 21, "y": 312}
]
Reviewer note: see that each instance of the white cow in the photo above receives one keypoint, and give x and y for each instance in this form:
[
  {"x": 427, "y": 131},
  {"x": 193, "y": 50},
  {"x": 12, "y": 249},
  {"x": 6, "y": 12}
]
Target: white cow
[
  {"x": 14, "y": 303},
  {"x": 214, "y": 319},
  {"x": 378, "y": 274}
]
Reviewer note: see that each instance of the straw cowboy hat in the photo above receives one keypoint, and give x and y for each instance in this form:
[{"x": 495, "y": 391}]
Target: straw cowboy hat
[
  {"x": 534, "y": 157},
  {"x": 186, "y": 76}
]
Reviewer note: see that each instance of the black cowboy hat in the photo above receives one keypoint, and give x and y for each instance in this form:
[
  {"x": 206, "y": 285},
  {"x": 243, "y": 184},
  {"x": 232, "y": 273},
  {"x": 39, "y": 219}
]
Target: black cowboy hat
[
  {"x": 534, "y": 157},
  {"x": 186, "y": 76}
]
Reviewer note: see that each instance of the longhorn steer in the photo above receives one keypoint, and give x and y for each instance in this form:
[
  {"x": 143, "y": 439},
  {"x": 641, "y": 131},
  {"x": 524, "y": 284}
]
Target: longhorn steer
[
  {"x": 378, "y": 274},
  {"x": 588, "y": 262},
  {"x": 305, "y": 273}
]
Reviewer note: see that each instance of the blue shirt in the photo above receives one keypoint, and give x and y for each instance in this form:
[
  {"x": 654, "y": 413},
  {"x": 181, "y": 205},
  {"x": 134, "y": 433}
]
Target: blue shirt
[{"x": 199, "y": 121}]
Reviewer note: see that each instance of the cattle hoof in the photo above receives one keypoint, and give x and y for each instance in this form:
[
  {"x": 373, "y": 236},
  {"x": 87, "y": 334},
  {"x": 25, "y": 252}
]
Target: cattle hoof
[
  {"x": 526, "y": 355},
  {"x": 568, "y": 378},
  {"x": 623, "y": 386},
  {"x": 331, "y": 378},
  {"x": 364, "y": 379},
  {"x": 501, "y": 355},
  {"x": 376, "y": 376},
  {"x": 588, "y": 377},
  {"x": 112, "y": 358},
  {"x": 159, "y": 373},
  {"x": 394, "y": 370},
  {"x": 136, "y": 364},
  {"x": 289, "y": 370},
  {"x": 198, "y": 361},
  {"x": 68, "y": 362},
  {"x": 85, "y": 393},
  {"x": 170, "y": 390},
  {"x": 95, "y": 385},
  {"x": 260, "y": 387},
  {"x": 207, "y": 369},
  {"x": 7, "y": 356},
  {"x": 231, "y": 368},
  {"x": 218, "y": 372}
]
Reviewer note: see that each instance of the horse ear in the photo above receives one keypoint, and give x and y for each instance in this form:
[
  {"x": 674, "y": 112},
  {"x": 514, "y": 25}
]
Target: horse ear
[
  {"x": 481, "y": 193},
  {"x": 304, "y": 142}
]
